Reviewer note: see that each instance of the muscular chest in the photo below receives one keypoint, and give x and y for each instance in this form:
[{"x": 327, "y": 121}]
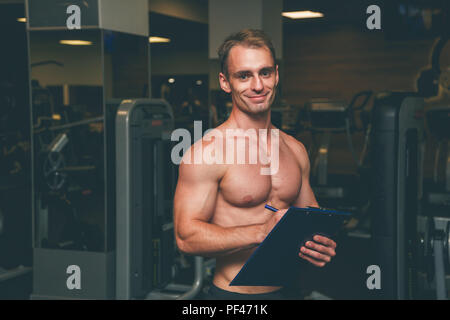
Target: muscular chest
[{"x": 245, "y": 186}]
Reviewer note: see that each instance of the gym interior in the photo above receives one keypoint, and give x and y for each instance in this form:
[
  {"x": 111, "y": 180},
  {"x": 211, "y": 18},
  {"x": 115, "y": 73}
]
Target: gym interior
[{"x": 86, "y": 116}]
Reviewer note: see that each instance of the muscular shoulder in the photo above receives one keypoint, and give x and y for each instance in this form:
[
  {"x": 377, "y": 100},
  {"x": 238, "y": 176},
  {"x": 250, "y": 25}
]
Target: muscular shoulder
[
  {"x": 197, "y": 164},
  {"x": 297, "y": 148}
]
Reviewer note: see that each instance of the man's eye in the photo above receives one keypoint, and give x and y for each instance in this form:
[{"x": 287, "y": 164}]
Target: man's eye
[
  {"x": 243, "y": 76},
  {"x": 265, "y": 73}
]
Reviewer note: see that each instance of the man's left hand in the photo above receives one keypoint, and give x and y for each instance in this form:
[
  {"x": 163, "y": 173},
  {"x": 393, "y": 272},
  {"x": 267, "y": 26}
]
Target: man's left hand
[{"x": 318, "y": 252}]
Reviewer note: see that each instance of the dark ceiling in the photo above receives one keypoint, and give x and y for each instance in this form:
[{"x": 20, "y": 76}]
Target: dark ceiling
[
  {"x": 348, "y": 8},
  {"x": 184, "y": 34},
  {"x": 355, "y": 10},
  {"x": 189, "y": 35}
]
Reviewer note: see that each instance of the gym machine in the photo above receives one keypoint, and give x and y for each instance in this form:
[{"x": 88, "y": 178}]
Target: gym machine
[
  {"x": 434, "y": 231},
  {"x": 146, "y": 180},
  {"x": 327, "y": 117},
  {"x": 434, "y": 223},
  {"x": 132, "y": 256},
  {"x": 73, "y": 215},
  {"x": 434, "y": 256},
  {"x": 437, "y": 82},
  {"x": 438, "y": 119},
  {"x": 396, "y": 158},
  {"x": 144, "y": 176}
]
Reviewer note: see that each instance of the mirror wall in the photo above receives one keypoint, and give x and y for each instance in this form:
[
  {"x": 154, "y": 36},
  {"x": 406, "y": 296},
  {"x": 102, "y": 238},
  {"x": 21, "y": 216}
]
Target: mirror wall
[{"x": 78, "y": 79}]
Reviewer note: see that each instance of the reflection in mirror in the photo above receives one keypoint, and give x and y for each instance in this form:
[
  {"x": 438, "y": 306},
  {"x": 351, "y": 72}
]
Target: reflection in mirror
[
  {"x": 180, "y": 67},
  {"x": 67, "y": 114}
]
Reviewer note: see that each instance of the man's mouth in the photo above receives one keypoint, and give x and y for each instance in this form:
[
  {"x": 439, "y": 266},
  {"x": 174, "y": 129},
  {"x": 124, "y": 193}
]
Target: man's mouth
[{"x": 258, "y": 98}]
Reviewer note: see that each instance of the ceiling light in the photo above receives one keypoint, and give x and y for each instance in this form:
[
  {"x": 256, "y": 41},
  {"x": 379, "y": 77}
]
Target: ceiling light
[
  {"x": 158, "y": 40},
  {"x": 76, "y": 42},
  {"x": 302, "y": 14},
  {"x": 22, "y": 19},
  {"x": 171, "y": 80}
]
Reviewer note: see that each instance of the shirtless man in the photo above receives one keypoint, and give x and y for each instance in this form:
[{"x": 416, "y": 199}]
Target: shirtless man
[{"x": 219, "y": 208}]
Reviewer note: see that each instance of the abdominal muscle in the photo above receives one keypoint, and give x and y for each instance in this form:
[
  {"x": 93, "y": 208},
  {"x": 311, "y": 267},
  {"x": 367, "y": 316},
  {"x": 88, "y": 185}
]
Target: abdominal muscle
[{"x": 228, "y": 266}]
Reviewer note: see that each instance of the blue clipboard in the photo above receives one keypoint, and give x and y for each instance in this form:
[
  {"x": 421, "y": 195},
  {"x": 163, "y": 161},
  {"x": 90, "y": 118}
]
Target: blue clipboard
[{"x": 275, "y": 262}]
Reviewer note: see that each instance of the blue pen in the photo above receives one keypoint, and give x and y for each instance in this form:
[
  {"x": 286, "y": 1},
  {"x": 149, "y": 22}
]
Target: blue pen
[{"x": 270, "y": 208}]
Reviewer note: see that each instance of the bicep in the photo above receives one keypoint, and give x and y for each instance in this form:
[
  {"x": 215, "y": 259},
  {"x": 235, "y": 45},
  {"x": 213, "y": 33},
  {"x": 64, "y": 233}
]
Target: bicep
[
  {"x": 306, "y": 195},
  {"x": 195, "y": 197}
]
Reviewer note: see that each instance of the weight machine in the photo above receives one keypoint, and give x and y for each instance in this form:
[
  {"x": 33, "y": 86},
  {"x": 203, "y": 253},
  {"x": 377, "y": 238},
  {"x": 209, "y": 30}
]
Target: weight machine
[
  {"x": 73, "y": 220},
  {"x": 396, "y": 156},
  {"x": 129, "y": 253},
  {"x": 434, "y": 223},
  {"x": 327, "y": 117},
  {"x": 146, "y": 180}
]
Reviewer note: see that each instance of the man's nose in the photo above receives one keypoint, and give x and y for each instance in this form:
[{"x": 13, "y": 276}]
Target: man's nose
[{"x": 257, "y": 84}]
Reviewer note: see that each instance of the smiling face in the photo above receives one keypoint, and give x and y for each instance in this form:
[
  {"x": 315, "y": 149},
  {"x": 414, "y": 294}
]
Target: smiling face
[{"x": 252, "y": 79}]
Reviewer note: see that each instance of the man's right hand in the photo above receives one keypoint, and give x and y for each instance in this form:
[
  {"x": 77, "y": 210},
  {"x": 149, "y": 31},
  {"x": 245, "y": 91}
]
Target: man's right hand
[{"x": 271, "y": 222}]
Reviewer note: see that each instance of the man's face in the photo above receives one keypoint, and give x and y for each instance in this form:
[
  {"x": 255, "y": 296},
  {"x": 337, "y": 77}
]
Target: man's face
[{"x": 252, "y": 79}]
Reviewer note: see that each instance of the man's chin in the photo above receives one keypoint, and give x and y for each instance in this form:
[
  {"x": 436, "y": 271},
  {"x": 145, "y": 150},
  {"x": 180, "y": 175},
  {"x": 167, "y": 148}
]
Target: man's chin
[
  {"x": 259, "y": 109},
  {"x": 263, "y": 106}
]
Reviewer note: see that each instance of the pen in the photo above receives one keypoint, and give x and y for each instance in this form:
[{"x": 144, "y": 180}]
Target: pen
[{"x": 270, "y": 208}]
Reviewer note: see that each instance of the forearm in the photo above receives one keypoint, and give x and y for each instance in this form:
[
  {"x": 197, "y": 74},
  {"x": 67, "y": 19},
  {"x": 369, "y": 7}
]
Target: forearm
[{"x": 207, "y": 239}]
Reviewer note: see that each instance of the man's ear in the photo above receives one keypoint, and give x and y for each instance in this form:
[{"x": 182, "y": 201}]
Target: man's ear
[
  {"x": 224, "y": 84},
  {"x": 277, "y": 78}
]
